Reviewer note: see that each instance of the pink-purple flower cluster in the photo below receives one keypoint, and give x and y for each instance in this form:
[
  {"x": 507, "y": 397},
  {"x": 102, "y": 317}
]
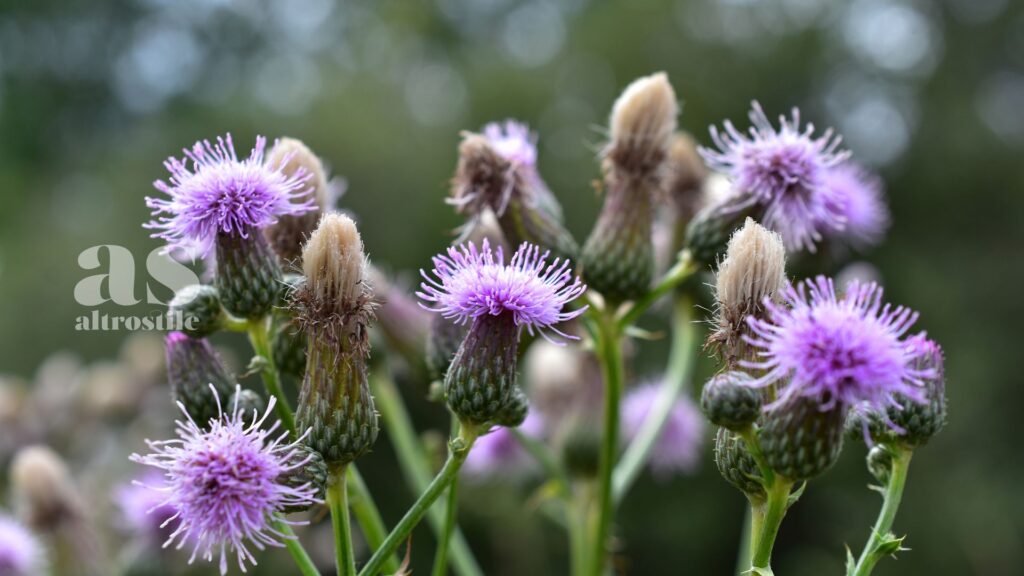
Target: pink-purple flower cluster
[
  {"x": 847, "y": 350},
  {"x": 21, "y": 554},
  {"x": 224, "y": 485},
  {"x": 859, "y": 198},
  {"x": 678, "y": 449},
  {"x": 796, "y": 180},
  {"x": 514, "y": 142},
  {"x": 210, "y": 190},
  {"x": 471, "y": 282},
  {"x": 145, "y": 512}
]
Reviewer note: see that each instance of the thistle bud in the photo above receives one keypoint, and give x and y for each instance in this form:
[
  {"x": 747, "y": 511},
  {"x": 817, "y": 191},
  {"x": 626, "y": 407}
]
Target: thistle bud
[
  {"x": 248, "y": 276},
  {"x": 442, "y": 344},
  {"x": 481, "y": 381},
  {"x": 198, "y": 306},
  {"x": 311, "y": 472},
  {"x": 729, "y": 401},
  {"x": 710, "y": 229},
  {"x": 799, "y": 439},
  {"x": 44, "y": 495},
  {"x": 497, "y": 172},
  {"x": 192, "y": 369},
  {"x": 618, "y": 258},
  {"x": 286, "y": 236},
  {"x": 289, "y": 348},
  {"x": 249, "y": 403},
  {"x": 335, "y": 308},
  {"x": 754, "y": 269},
  {"x": 737, "y": 465}
]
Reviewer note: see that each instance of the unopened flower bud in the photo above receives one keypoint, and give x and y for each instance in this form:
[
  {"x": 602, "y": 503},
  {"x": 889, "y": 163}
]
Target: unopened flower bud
[
  {"x": 44, "y": 494},
  {"x": 709, "y": 230},
  {"x": 248, "y": 276},
  {"x": 497, "y": 172},
  {"x": 286, "y": 236},
  {"x": 249, "y": 404},
  {"x": 311, "y": 472},
  {"x": 289, "y": 348},
  {"x": 737, "y": 465},
  {"x": 729, "y": 401},
  {"x": 799, "y": 439},
  {"x": 754, "y": 269},
  {"x": 199, "y": 308},
  {"x": 618, "y": 258},
  {"x": 335, "y": 308},
  {"x": 442, "y": 344},
  {"x": 197, "y": 376}
]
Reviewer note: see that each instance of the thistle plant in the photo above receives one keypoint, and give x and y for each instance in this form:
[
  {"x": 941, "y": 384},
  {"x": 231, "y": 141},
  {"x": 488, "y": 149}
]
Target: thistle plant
[{"x": 802, "y": 365}]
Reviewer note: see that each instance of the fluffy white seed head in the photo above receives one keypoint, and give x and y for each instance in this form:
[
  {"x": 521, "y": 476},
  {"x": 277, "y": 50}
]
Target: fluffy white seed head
[
  {"x": 754, "y": 268},
  {"x": 642, "y": 123}
]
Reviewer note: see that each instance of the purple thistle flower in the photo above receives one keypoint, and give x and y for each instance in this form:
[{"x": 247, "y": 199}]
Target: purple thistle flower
[
  {"x": 846, "y": 351},
  {"x": 210, "y": 190},
  {"x": 499, "y": 454},
  {"x": 145, "y": 511},
  {"x": 859, "y": 199},
  {"x": 471, "y": 283},
  {"x": 21, "y": 554},
  {"x": 514, "y": 142},
  {"x": 782, "y": 171},
  {"x": 678, "y": 448},
  {"x": 225, "y": 485}
]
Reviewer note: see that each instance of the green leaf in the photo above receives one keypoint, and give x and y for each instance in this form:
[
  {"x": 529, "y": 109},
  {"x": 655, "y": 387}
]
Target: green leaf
[
  {"x": 796, "y": 495},
  {"x": 890, "y": 545},
  {"x": 851, "y": 564}
]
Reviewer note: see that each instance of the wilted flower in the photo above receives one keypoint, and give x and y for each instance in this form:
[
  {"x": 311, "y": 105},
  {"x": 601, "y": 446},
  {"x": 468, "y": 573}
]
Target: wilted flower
[
  {"x": 679, "y": 446},
  {"x": 472, "y": 285},
  {"x": 225, "y": 484},
  {"x": 780, "y": 176},
  {"x": 21, "y": 554},
  {"x": 846, "y": 351},
  {"x": 211, "y": 191}
]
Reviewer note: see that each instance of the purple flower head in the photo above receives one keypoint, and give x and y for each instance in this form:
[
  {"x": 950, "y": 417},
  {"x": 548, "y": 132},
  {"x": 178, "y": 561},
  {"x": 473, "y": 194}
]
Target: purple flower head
[
  {"x": 678, "y": 448},
  {"x": 499, "y": 454},
  {"x": 859, "y": 199},
  {"x": 225, "y": 486},
  {"x": 145, "y": 511},
  {"x": 21, "y": 554},
  {"x": 514, "y": 142},
  {"x": 782, "y": 171},
  {"x": 473, "y": 282},
  {"x": 210, "y": 190},
  {"x": 846, "y": 351}
]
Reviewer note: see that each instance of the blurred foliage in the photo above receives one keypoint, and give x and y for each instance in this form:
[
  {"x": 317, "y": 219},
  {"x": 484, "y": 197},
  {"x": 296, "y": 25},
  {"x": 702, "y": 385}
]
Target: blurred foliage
[{"x": 94, "y": 95}]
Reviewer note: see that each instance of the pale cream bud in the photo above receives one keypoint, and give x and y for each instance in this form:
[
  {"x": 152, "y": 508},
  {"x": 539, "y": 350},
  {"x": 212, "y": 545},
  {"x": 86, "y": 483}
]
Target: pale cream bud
[
  {"x": 642, "y": 123},
  {"x": 44, "y": 495},
  {"x": 334, "y": 263},
  {"x": 289, "y": 233}
]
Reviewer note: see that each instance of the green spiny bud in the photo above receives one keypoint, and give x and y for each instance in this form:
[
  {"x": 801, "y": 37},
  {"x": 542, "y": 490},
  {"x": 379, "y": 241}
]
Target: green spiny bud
[
  {"x": 289, "y": 349},
  {"x": 248, "y": 275},
  {"x": 737, "y": 465},
  {"x": 196, "y": 376},
  {"x": 481, "y": 382},
  {"x": 442, "y": 344},
  {"x": 198, "y": 306},
  {"x": 800, "y": 440},
  {"x": 335, "y": 308},
  {"x": 709, "y": 231},
  {"x": 729, "y": 401},
  {"x": 311, "y": 470}
]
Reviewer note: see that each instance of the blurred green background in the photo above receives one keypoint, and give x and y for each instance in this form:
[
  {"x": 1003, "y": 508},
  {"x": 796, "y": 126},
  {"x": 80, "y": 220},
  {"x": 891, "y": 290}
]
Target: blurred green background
[{"x": 95, "y": 95}]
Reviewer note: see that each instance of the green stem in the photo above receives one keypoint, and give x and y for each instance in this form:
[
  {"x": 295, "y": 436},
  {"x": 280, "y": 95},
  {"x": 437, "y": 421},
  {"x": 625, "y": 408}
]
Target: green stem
[
  {"x": 441, "y": 559},
  {"x": 752, "y": 525},
  {"x": 893, "y": 495},
  {"x": 337, "y": 500},
  {"x": 259, "y": 336},
  {"x": 677, "y": 376},
  {"x": 612, "y": 370},
  {"x": 299, "y": 554},
  {"x": 683, "y": 268},
  {"x": 367, "y": 514},
  {"x": 772, "y": 512},
  {"x": 578, "y": 527},
  {"x": 458, "y": 450},
  {"x": 414, "y": 464}
]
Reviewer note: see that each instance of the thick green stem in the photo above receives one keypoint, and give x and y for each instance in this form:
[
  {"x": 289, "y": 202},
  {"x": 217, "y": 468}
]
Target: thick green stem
[
  {"x": 299, "y": 555},
  {"x": 458, "y": 450},
  {"x": 367, "y": 514},
  {"x": 579, "y": 513},
  {"x": 873, "y": 551},
  {"x": 772, "y": 512},
  {"x": 415, "y": 467},
  {"x": 259, "y": 336},
  {"x": 677, "y": 376},
  {"x": 610, "y": 355},
  {"x": 337, "y": 500}
]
